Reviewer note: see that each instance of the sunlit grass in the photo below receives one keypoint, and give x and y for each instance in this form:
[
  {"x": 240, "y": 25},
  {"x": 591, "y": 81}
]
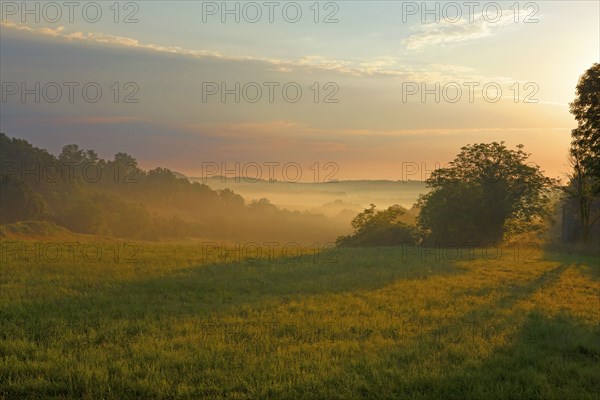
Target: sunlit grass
[{"x": 358, "y": 323}]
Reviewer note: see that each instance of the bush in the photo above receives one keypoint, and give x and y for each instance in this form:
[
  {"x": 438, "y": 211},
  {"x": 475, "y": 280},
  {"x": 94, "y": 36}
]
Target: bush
[{"x": 379, "y": 228}]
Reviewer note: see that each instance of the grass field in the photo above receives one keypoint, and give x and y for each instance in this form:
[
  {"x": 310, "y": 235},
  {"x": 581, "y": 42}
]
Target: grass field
[{"x": 153, "y": 321}]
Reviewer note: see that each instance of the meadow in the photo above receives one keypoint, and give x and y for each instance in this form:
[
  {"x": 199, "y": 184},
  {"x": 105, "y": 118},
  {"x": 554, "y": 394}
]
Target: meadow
[{"x": 121, "y": 320}]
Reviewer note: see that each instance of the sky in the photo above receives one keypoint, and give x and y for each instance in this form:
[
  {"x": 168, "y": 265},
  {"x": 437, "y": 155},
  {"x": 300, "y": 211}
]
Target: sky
[{"x": 378, "y": 89}]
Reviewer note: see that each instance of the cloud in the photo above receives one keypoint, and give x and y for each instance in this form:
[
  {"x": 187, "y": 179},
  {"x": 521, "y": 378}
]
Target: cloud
[
  {"x": 107, "y": 39},
  {"x": 382, "y": 66},
  {"x": 447, "y": 33},
  {"x": 282, "y": 128},
  {"x": 100, "y": 120}
]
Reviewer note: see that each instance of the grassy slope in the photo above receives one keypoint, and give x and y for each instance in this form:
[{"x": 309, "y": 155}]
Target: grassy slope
[
  {"x": 370, "y": 323},
  {"x": 35, "y": 230}
]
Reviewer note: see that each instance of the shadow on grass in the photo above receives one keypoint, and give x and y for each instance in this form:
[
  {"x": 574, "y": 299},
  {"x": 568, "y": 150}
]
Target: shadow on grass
[
  {"x": 547, "y": 357},
  {"x": 212, "y": 289},
  {"x": 528, "y": 355},
  {"x": 550, "y": 358},
  {"x": 587, "y": 264}
]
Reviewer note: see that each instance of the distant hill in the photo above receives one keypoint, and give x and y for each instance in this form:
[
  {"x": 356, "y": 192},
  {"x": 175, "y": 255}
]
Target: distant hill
[{"x": 355, "y": 195}]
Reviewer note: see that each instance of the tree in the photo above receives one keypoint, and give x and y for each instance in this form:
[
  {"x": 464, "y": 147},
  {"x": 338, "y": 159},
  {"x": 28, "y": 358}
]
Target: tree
[
  {"x": 233, "y": 201},
  {"x": 584, "y": 181},
  {"x": 486, "y": 194},
  {"x": 586, "y": 109},
  {"x": 379, "y": 228},
  {"x": 124, "y": 169},
  {"x": 74, "y": 160},
  {"x": 71, "y": 153}
]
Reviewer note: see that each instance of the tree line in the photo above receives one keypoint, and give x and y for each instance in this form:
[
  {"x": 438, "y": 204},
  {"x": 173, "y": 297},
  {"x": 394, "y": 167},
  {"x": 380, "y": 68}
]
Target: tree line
[{"x": 84, "y": 193}]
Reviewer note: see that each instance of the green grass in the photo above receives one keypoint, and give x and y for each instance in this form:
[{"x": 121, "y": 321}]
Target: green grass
[{"x": 358, "y": 323}]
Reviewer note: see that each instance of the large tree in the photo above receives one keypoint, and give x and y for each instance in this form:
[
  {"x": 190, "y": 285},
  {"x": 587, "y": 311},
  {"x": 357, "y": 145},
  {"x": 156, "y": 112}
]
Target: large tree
[
  {"x": 586, "y": 109},
  {"x": 584, "y": 182},
  {"x": 487, "y": 193}
]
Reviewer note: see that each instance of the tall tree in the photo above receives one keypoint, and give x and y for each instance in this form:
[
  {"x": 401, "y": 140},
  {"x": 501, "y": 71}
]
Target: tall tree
[
  {"x": 584, "y": 181},
  {"x": 586, "y": 109}
]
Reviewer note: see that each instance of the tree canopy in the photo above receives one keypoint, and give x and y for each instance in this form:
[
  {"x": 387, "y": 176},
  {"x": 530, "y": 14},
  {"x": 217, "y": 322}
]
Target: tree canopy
[
  {"x": 82, "y": 192},
  {"x": 486, "y": 194},
  {"x": 585, "y": 146},
  {"x": 584, "y": 181}
]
